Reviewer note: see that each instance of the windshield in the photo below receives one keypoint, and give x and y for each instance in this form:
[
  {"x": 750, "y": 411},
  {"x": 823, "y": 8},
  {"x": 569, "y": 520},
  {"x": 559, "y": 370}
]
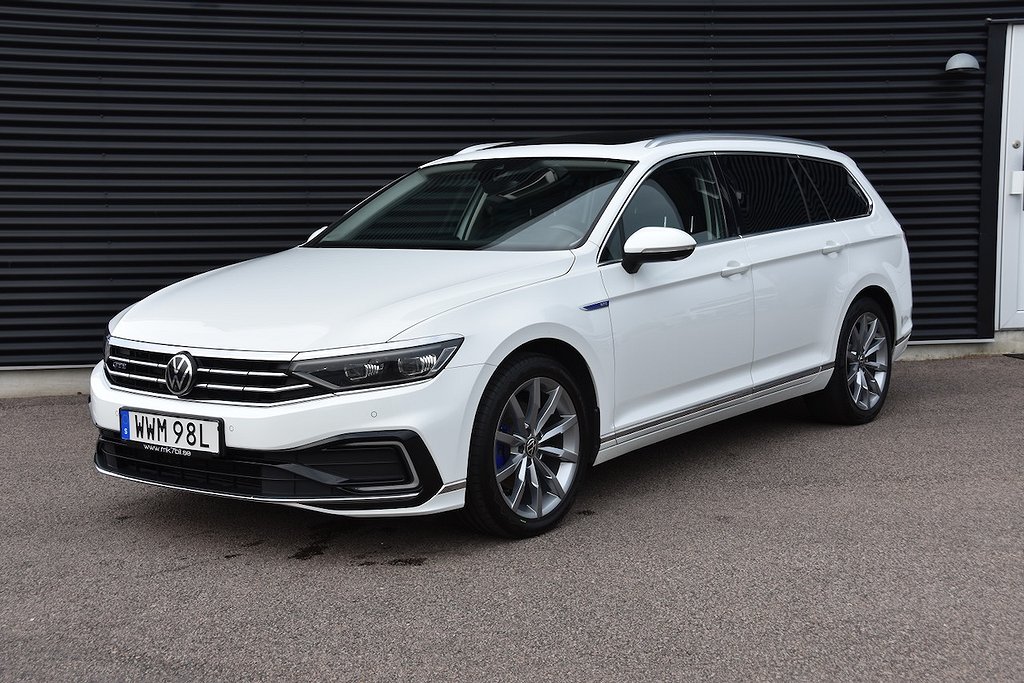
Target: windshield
[{"x": 500, "y": 204}]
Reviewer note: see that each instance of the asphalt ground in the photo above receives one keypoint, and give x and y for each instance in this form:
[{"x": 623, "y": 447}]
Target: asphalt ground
[{"x": 765, "y": 547}]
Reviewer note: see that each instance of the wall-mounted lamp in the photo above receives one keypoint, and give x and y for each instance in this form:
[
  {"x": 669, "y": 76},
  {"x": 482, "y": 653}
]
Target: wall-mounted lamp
[{"x": 963, "y": 63}]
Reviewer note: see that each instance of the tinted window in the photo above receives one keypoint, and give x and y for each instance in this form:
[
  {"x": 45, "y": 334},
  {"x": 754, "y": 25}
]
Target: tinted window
[
  {"x": 765, "y": 193},
  {"x": 842, "y": 196},
  {"x": 812, "y": 198},
  {"x": 682, "y": 194}
]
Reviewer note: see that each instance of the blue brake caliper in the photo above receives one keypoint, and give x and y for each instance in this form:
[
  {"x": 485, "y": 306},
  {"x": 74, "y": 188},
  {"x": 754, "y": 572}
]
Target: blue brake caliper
[{"x": 501, "y": 450}]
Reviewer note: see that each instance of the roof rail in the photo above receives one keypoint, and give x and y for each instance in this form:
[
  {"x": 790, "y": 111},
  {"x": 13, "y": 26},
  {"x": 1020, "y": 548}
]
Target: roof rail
[
  {"x": 688, "y": 137},
  {"x": 477, "y": 148}
]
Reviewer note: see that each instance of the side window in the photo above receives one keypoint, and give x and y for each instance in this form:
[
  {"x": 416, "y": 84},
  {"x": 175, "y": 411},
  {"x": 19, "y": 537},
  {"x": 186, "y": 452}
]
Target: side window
[
  {"x": 816, "y": 208},
  {"x": 682, "y": 194},
  {"x": 766, "y": 193},
  {"x": 842, "y": 195}
]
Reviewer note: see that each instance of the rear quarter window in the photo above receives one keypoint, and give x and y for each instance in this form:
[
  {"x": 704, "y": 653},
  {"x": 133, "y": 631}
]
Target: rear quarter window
[{"x": 837, "y": 189}]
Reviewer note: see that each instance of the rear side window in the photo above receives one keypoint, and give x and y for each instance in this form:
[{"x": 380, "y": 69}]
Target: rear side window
[
  {"x": 766, "y": 193},
  {"x": 842, "y": 195}
]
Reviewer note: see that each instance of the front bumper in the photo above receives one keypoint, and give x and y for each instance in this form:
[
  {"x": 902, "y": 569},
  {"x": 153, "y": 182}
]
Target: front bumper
[
  {"x": 393, "y": 451},
  {"x": 357, "y": 471}
]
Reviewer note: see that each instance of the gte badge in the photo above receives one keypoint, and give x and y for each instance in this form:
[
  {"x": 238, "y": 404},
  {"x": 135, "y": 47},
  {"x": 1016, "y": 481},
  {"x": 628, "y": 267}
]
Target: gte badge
[{"x": 180, "y": 374}]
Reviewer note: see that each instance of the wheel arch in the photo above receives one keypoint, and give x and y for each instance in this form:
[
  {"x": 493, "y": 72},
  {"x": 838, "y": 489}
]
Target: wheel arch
[
  {"x": 877, "y": 289},
  {"x": 573, "y": 361},
  {"x": 882, "y": 298}
]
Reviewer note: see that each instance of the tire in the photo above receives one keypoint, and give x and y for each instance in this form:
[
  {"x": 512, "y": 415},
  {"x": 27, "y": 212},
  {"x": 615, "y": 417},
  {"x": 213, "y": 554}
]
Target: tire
[
  {"x": 860, "y": 381},
  {"x": 521, "y": 480}
]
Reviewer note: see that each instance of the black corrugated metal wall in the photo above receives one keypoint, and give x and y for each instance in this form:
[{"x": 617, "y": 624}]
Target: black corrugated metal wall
[{"x": 144, "y": 141}]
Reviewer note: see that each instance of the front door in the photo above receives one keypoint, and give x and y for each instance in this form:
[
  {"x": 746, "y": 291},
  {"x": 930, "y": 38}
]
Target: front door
[
  {"x": 683, "y": 329},
  {"x": 1011, "y": 281}
]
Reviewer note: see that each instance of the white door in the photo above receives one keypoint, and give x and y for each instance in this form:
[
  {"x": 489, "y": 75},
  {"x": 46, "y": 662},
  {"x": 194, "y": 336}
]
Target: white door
[
  {"x": 797, "y": 275},
  {"x": 683, "y": 329},
  {"x": 1011, "y": 243},
  {"x": 798, "y": 262}
]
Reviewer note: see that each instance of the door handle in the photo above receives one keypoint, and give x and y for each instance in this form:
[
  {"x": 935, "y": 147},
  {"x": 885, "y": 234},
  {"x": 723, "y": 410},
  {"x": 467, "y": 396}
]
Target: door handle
[
  {"x": 832, "y": 248},
  {"x": 735, "y": 268}
]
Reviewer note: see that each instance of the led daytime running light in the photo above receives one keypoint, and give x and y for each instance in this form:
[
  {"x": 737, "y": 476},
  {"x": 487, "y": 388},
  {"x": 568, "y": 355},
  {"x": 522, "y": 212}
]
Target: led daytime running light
[{"x": 376, "y": 369}]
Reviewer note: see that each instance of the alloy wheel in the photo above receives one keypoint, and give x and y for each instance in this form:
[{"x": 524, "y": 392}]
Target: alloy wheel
[
  {"x": 867, "y": 361},
  {"x": 536, "y": 448}
]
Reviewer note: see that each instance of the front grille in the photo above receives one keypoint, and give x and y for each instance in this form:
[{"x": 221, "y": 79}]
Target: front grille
[{"x": 217, "y": 379}]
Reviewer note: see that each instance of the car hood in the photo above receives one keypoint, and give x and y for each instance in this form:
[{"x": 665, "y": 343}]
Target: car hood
[{"x": 308, "y": 299}]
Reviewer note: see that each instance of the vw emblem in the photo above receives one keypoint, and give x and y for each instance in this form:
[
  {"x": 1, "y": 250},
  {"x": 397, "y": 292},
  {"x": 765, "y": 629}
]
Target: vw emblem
[{"x": 180, "y": 374}]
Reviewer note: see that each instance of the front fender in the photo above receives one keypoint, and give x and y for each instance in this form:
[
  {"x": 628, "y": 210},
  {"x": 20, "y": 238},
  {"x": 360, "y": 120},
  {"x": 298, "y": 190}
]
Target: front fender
[{"x": 495, "y": 327}]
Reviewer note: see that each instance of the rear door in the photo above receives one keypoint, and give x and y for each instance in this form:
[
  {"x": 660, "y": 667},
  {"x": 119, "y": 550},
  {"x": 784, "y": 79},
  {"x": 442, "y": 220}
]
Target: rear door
[{"x": 798, "y": 264}]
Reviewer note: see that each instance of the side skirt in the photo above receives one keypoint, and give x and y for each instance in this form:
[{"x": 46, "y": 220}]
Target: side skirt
[{"x": 633, "y": 438}]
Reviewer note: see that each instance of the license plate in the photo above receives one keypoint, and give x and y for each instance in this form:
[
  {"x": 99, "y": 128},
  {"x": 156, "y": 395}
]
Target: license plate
[{"x": 172, "y": 434}]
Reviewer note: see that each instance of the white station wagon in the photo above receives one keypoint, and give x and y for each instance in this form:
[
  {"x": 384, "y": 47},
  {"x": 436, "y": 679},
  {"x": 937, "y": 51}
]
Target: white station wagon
[{"x": 482, "y": 331}]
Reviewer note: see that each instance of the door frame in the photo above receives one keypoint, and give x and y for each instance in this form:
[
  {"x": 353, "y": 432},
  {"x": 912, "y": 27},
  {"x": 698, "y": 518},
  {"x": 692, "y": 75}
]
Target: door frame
[
  {"x": 994, "y": 182},
  {"x": 1008, "y": 305},
  {"x": 991, "y": 171}
]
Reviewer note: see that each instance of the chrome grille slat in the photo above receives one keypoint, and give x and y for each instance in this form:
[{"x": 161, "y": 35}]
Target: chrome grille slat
[
  {"x": 145, "y": 363},
  {"x": 278, "y": 390},
  {"x": 242, "y": 373},
  {"x": 266, "y": 390},
  {"x": 144, "y": 378},
  {"x": 219, "y": 387},
  {"x": 232, "y": 380}
]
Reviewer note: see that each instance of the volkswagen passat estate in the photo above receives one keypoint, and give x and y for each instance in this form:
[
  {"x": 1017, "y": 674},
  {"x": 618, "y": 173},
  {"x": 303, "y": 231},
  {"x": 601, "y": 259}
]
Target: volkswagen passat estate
[{"x": 480, "y": 333}]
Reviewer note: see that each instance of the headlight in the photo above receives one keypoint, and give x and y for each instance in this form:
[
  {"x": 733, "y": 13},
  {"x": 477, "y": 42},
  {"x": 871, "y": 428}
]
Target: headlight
[{"x": 379, "y": 368}]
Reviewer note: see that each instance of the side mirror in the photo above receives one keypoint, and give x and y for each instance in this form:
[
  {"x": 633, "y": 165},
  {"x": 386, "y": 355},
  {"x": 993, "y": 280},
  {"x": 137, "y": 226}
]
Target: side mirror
[
  {"x": 656, "y": 244},
  {"x": 316, "y": 233}
]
